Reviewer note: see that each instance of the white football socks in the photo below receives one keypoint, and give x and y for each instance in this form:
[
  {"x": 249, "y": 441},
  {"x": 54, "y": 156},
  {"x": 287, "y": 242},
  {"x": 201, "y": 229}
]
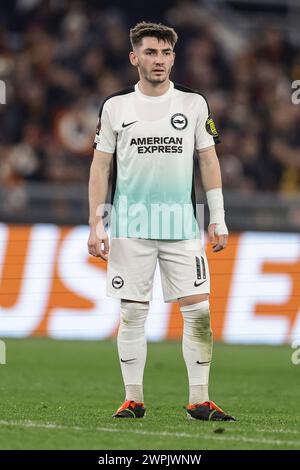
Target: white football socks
[
  {"x": 132, "y": 347},
  {"x": 197, "y": 349}
]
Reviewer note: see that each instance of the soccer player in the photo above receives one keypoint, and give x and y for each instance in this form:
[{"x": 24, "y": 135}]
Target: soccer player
[{"x": 149, "y": 132}]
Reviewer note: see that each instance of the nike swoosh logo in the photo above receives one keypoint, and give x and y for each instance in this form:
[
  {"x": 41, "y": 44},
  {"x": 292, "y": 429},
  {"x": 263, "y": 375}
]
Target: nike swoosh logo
[
  {"x": 198, "y": 362},
  {"x": 197, "y": 284},
  {"x": 128, "y": 124},
  {"x": 128, "y": 360}
]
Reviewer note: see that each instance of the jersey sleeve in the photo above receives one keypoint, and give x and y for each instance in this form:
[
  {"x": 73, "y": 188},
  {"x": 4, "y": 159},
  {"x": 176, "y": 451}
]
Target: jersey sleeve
[
  {"x": 106, "y": 137},
  {"x": 206, "y": 133}
]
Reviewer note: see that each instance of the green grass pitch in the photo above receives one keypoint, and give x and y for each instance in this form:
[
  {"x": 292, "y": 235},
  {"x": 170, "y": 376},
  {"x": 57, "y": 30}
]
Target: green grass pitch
[{"x": 61, "y": 395}]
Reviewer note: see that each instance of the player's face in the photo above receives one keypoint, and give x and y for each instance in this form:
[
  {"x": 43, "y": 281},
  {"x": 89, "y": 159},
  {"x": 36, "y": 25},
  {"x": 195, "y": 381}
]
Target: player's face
[{"x": 154, "y": 59}]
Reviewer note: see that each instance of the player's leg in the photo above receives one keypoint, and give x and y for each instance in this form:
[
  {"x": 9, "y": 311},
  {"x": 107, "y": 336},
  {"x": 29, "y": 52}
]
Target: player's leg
[
  {"x": 197, "y": 344},
  {"x": 185, "y": 277},
  {"x": 131, "y": 267}
]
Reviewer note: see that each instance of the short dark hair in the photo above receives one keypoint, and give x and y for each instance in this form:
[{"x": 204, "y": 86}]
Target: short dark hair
[{"x": 156, "y": 30}]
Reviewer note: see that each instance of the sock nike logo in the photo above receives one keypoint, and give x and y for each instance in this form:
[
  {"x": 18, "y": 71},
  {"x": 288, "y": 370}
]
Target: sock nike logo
[
  {"x": 197, "y": 284},
  {"x": 128, "y": 360},
  {"x": 198, "y": 362},
  {"x": 128, "y": 124}
]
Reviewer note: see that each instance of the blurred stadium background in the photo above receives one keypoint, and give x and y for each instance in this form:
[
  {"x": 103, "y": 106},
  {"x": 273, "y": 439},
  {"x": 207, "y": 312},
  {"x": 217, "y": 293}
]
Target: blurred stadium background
[{"x": 58, "y": 61}]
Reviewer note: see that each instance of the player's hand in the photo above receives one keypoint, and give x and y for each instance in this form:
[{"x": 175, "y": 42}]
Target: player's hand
[
  {"x": 98, "y": 244},
  {"x": 217, "y": 239}
]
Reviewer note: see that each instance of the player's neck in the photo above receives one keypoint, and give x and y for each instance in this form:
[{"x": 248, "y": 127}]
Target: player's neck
[{"x": 153, "y": 89}]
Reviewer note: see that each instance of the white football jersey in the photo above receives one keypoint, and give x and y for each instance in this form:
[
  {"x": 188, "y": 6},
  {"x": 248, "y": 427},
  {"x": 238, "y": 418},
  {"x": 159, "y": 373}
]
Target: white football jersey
[{"x": 153, "y": 141}]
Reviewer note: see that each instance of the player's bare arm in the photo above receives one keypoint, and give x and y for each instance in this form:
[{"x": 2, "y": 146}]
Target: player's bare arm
[
  {"x": 98, "y": 186},
  {"x": 212, "y": 182}
]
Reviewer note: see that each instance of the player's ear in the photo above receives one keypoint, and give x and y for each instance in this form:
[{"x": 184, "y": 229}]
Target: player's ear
[{"x": 133, "y": 58}]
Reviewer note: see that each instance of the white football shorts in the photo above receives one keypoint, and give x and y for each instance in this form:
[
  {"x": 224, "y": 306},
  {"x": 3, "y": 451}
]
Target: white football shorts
[{"x": 132, "y": 262}]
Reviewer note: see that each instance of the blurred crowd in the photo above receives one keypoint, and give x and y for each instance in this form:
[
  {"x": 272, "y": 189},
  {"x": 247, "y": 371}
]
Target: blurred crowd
[{"x": 59, "y": 60}]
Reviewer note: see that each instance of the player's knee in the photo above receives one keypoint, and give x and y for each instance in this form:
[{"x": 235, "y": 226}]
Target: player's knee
[
  {"x": 197, "y": 321},
  {"x": 133, "y": 314}
]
